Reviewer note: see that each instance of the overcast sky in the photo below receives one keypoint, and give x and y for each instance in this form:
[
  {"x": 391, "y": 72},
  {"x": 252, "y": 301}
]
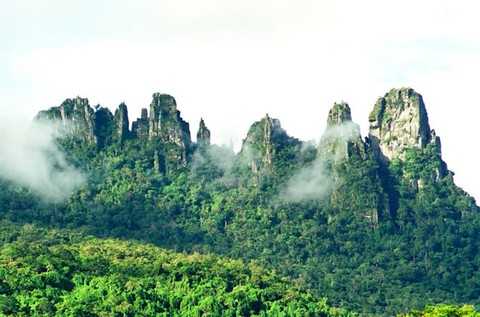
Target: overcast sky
[{"x": 231, "y": 62}]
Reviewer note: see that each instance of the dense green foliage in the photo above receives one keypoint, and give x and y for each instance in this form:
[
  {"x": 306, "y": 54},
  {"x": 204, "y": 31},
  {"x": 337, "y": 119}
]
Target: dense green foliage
[
  {"x": 446, "y": 311},
  {"x": 387, "y": 239},
  {"x": 61, "y": 274}
]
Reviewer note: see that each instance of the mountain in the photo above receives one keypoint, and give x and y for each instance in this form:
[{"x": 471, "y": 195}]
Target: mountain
[{"x": 376, "y": 224}]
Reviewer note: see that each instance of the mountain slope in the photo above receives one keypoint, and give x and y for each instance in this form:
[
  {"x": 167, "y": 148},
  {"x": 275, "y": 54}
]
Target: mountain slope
[
  {"x": 376, "y": 224},
  {"x": 59, "y": 274}
]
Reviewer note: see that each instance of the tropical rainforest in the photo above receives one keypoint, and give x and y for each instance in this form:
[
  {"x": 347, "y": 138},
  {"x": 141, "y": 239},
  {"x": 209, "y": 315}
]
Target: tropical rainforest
[{"x": 161, "y": 225}]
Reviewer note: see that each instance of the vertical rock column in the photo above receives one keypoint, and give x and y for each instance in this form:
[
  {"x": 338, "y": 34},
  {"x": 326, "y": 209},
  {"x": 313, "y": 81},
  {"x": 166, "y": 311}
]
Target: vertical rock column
[
  {"x": 122, "y": 124},
  {"x": 173, "y": 133},
  {"x": 203, "y": 135},
  {"x": 342, "y": 138}
]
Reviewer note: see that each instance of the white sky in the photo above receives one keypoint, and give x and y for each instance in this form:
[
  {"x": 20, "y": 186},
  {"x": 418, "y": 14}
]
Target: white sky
[{"x": 231, "y": 62}]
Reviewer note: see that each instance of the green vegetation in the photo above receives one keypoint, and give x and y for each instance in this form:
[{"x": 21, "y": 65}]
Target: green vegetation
[
  {"x": 386, "y": 239},
  {"x": 446, "y": 311},
  {"x": 350, "y": 248},
  {"x": 61, "y": 274}
]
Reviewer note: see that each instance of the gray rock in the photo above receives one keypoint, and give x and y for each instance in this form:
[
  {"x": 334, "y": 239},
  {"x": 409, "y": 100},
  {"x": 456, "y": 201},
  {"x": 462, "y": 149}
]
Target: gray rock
[
  {"x": 342, "y": 138},
  {"x": 203, "y": 135},
  {"x": 104, "y": 126},
  {"x": 167, "y": 126},
  {"x": 140, "y": 127},
  {"x": 399, "y": 121},
  {"x": 265, "y": 140},
  {"x": 339, "y": 114},
  {"x": 77, "y": 115},
  {"x": 122, "y": 123}
]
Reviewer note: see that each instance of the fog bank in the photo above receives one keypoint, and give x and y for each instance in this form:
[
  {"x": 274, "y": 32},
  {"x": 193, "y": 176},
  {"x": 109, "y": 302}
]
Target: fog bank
[{"x": 30, "y": 157}]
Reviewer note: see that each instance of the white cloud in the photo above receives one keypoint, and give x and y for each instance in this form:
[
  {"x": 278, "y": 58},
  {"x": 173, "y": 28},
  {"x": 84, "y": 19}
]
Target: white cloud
[{"x": 30, "y": 157}]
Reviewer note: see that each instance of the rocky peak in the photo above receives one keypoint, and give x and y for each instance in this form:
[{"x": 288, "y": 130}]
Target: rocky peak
[
  {"x": 121, "y": 123},
  {"x": 399, "y": 124},
  {"x": 140, "y": 127},
  {"x": 342, "y": 138},
  {"x": 163, "y": 108},
  {"x": 77, "y": 114},
  {"x": 167, "y": 126},
  {"x": 399, "y": 121},
  {"x": 163, "y": 126},
  {"x": 104, "y": 126},
  {"x": 339, "y": 114},
  {"x": 264, "y": 140},
  {"x": 144, "y": 114},
  {"x": 342, "y": 146},
  {"x": 203, "y": 134}
]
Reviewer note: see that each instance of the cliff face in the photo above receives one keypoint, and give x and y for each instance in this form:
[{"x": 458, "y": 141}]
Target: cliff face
[
  {"x": 167, "y": 126},
  {"x": 339, "y": 114},
  {"x": 163, "y": 126},
  {"x": 79, "y": 116},
  {"x": 140, "y": 127},
  {"x": 399, "y": 124},
  {"x": 343, "y": 151},
  {"x": 399, "y": 121},
  {"x": 203, "y": 135},
  {"x": 342, "y": 138},
  {"x": 265, "y": 140},
  {"x": 97, "y": 126},
  {"x": 122, "y": 124},
  {"x": 104, "y": 127}
]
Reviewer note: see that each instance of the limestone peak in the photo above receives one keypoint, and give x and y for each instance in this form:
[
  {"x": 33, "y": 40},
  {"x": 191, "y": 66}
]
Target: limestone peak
[
  {"x": 342, "y": 138},
  {"x": 79, "y": 115},
  {"x": 167, "y": 126},
  {"x": 122, "y": 123},
  {"x": 203, "y": 134},
  {"x": 339, "y": 113},
  {"x": 264, "y": 140},
  {"x": 399, "y": 121}
]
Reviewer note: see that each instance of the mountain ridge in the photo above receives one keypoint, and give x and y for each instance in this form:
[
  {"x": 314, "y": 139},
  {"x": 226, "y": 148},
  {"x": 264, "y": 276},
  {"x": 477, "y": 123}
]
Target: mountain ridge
[
  {"x": 398, "y": 121},
  {"x": 378, "y": 234}
]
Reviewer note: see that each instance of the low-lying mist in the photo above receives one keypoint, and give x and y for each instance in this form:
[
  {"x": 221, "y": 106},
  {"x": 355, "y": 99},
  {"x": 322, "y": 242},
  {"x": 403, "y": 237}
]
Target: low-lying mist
[
  {"x": 220, "y": 157},
  {"x": 30, "y": 157},
  {"x": 316, "y": 181}
]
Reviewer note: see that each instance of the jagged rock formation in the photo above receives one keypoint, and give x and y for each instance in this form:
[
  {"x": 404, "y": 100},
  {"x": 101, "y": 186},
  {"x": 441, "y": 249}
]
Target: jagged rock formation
[
  {"x": 77, "y": 114},
  {"x": 163, "y": 127},
  {"x": 265, "y": 140},
  {"x": 122, "y": 124},
  {"x": 140, "y": 126},
  {"x": 342, "y": 138},
  {"x": 167, "y": 126},
  {"x": 203, "y": 135},
  {"x": 380, "y": 220},
  {"x": 343, "y": 151},
  {"x": 339, "y": 114},
  {"x": 104, "y": 126},
  {"x": 399, "y": 121},
  {"x": 95, "y": 125}
]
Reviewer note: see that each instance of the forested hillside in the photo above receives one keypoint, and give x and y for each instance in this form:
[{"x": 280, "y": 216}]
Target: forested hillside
[
  {"x": 376, "y": 224},
  {"x": 61, "y": 274}
]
